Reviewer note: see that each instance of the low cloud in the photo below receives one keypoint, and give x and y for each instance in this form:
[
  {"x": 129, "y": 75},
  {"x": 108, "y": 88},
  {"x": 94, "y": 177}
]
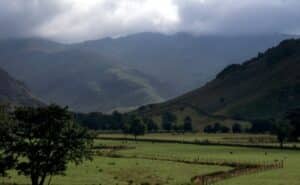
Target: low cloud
[{"x": 77, "y": 20}]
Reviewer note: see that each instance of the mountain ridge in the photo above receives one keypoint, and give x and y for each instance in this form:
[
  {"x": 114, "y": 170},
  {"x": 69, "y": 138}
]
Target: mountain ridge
[
  {"x": 15, "y": 93},
  {"x": 263, "y": 87}
]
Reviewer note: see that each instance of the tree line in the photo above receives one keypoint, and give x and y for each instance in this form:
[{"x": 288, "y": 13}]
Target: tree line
[
  {"x": 286, "y": 128},
  {"x": 122, "y": 122}
]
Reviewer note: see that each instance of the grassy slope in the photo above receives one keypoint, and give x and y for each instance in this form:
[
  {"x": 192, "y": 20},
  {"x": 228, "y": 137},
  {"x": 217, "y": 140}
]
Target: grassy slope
[
  {"x": 15, "y": 92},
  {"x": 263, "y": 87}
]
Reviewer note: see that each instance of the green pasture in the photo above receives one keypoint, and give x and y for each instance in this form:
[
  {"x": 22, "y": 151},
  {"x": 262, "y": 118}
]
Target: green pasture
[{"x": 122, "y": 171}]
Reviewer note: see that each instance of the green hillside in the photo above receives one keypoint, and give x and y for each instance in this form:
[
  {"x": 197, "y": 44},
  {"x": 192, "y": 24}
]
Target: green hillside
[
  {"x": 263, "y": 87},
  {"x": 82, "y": 80},
  {"x": 14, "y": 92}
]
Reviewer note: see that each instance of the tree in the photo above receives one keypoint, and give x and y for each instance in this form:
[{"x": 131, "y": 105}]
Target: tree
[
  {"x": 236, "y": 128},
  {"x": 224, "y": 129},
  {"x": 294, "y": 118},
  {"x": 217, "y": 127},
  {"x": 188, "y": 125},
  {"x": 117, "y": 120},
  {"x": 261, "y": 126},
  {"x": 6, "y": 161},
  {"x": 136, "y": 127},
  {"x": 168, "y": 120},
  {"x": 151, "y": 125},
  {"x": 44, "y": 140},
  {"x": 282, "y": 131},
  {"x": 208, "y": 129},
  {"x": 178, "y": 128}
]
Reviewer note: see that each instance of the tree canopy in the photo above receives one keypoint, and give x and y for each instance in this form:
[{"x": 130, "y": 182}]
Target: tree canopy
[{"x": 44, "y": 140}]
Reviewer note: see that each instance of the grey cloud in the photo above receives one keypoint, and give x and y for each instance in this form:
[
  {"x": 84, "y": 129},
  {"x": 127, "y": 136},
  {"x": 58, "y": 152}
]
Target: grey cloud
[
  {"x": 19, "y": 18},
  {"x": 240, "y": 17},
  {"x": 70, "y": 21}
]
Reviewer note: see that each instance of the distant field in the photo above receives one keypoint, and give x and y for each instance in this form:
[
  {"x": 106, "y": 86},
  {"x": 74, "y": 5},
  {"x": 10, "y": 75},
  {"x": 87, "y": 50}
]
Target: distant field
[
  {"x": 251, "y": 139},
  {"x": 123, "y": 171}
]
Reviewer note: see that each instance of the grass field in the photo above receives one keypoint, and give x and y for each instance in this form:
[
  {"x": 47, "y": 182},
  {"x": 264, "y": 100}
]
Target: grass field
[
  {"x": 248, "y": 139},
  {"x": 112, "y": 171}
]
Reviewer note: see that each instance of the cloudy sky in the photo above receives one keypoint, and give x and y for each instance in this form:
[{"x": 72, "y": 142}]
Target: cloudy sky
[{"x": 77, "y": 20}]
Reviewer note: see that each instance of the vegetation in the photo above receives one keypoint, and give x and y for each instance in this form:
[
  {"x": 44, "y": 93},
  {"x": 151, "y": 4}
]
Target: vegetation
[
  {"x": 168, "y": 121},
  {"x": 294, "y": 119},
  {"x": 282, "y": 131},
  {"x": 42, "y": 141},
  {"x": 216, "y": 128},
  {"x": 236, "y": 128},
  {"x": 188, "y": 124},
  {"x": 121, "y": 170},
  {"x": 135, "y": 126}
]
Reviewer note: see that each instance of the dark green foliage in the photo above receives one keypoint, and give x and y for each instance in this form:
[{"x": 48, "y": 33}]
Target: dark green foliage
[
  {"x": 261, "y": 126},
  {"x": 168, "y": 120},
  {"x": 236, "y": 128},
  {"x": 282, "y": 130},
  {"x": 216, "y": 128},
  {"x": 6, "y": 161},
  {"x": 44, "y": 140},
  {"x": 178, "y": 128},
  {"x": 100, "y": 121},
  {"x": 151, "y": 125},
  {"x": 135, "y": 126},
  {"x": 225, "y": 129},
  {"x": 294, "y": 118},
  {"x": 188, "y": 124},
  {"x": 208, "y": 129}
]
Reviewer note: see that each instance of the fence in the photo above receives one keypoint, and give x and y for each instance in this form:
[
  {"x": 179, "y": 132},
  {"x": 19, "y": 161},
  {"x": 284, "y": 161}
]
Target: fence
[{"x": 239, "y": 170}]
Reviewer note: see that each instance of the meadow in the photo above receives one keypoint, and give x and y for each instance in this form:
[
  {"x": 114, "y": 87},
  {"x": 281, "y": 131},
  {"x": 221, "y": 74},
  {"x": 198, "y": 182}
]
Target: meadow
[
  {"x": 227, "y": 138},
  {"x": 133, "y": 164}
]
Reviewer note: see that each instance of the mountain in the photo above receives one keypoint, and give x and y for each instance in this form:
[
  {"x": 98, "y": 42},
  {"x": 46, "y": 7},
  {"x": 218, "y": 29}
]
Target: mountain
[
  {"x": 15, "y": 92},
  {"x": 183, "y": 60},
  {"x": 83, "y": 80},
  {"x": 261, "y": 88},
  {"x": 125, "y": 72}
]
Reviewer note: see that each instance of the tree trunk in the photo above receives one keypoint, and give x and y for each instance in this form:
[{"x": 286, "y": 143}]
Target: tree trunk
[
  {"x": 42, "y": 180},
  {"x": 50, "y": 178},
  {"x": 34, "y": 180}
]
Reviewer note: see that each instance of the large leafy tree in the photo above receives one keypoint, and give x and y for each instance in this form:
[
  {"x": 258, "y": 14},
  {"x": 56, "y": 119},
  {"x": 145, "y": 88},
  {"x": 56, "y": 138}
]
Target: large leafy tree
[
  {"x": 150, "y": 124},
  {"x": 282, "y": 130},
  {"x": 168, "y": 120},
  {"x": 136, "y": 126},
  {"x": 188, "y": 124},
  {"x": 6, "y": 161},
  {"x": 236, "y": 128},
  {"x": 294, "y": 118},
  {"x": 45, "y": 140}
]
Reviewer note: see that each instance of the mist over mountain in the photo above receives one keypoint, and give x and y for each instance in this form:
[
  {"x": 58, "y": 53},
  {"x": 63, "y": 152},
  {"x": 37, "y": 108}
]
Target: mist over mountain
[
  {"x": 184, "y": 60},
  {"x": 125, "y": 72},
  {"x": 82, "y": 80}
]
